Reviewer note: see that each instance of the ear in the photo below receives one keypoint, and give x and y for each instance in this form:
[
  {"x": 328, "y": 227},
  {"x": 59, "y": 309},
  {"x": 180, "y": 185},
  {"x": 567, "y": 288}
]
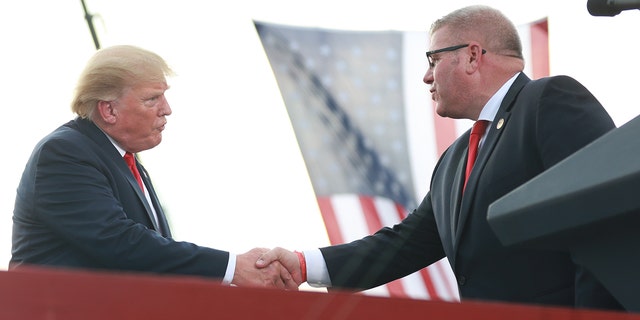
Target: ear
[
  {"x": 107, "y": 112},
  {"x": 476, "y": 54}
]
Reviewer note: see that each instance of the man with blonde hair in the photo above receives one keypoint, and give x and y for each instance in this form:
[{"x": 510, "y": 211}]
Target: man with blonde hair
[{"x": 84, "y": 201}]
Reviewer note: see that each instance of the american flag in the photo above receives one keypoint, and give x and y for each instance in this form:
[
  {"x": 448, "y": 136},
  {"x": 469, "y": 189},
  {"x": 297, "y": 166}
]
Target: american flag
[{"x": 352, "y": 97}]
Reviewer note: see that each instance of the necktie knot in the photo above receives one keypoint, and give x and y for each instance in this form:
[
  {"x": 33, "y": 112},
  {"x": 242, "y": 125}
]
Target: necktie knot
[
  {"x": 478, "y": 129},
  {"x": 477, "y": 132},
  {"x": 129, "y": 158}
]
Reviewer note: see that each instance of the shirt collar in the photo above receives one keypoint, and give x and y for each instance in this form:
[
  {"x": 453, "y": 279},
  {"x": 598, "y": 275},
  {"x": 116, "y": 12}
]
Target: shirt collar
[
  {"x": 114, "y": 143},
  {"x": 490, "y": 109}
]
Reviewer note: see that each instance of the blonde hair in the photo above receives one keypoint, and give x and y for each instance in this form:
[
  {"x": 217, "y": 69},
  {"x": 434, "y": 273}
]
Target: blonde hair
[
  {"x": 110, "y": 71},
  {"x": 483, "y": 24}
]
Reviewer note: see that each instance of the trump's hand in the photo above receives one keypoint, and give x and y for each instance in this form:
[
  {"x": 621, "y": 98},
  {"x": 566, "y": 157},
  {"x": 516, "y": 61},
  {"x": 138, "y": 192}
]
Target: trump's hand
[
  {"x": 273, "y": 275},
  {"x": 286, "y": 258}
]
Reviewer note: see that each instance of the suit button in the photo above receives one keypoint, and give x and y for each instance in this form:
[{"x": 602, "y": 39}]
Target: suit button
[{"x": 462, "y": 280}]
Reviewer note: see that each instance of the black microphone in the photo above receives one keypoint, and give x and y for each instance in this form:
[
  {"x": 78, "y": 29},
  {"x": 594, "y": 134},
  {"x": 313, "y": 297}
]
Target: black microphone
[{"x": 611, "y": 8}]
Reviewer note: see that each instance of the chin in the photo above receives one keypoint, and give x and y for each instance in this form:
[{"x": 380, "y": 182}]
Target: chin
[
  {"x": 155, "y": 142},
  {"x": 447, "y": 114},
  {"x": 441, "y": 112}
]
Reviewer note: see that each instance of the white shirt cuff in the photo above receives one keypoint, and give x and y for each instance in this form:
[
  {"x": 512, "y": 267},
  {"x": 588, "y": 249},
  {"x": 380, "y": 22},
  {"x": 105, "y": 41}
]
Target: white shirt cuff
[
  {"x": 317, "y": 273},
  {"x": 231, "y": 269}
]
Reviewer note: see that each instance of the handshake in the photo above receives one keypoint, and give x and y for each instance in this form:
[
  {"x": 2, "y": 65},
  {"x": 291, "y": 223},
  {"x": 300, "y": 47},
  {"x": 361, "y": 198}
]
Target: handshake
[{"x": 275, "y": 268}]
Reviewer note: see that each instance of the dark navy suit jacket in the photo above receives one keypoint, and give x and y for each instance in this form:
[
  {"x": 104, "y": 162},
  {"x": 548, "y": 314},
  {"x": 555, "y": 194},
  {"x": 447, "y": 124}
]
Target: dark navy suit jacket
[
  {"x": 538, "y": 124},
  {"x": 79, "y": 206}
]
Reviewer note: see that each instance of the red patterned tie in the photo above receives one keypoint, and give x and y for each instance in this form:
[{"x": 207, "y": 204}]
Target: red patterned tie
[
  {"x": 131, "y": 162},
  {"x": 476, "y": 133}
]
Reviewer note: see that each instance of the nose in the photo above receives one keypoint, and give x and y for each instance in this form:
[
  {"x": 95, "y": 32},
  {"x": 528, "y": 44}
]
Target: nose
[
  {"x": 166, "y": 108},
  {"x": 428, "y": 77}
]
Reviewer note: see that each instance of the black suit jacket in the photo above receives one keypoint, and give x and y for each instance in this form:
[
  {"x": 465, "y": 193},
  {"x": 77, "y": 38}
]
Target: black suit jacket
[
  {"x": 78, "y": 205},
  {"x": 538, "y": 124}
]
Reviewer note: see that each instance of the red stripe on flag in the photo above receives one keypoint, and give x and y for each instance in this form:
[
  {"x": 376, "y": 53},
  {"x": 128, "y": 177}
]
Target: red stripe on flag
[
  {"x": 431, "y": 289},
  {"x": 330, "y": 220},
  {"x": 426, "y": 276},
  {"x": 402, "y": 212},
  {"x": 540, "y": 48},
  {"x": 442, "y": 274},
  {"x": 370, "y": 214},
  {"x": 445, "y": 131},
  {"x": 396, "y": 288},
  {"x": 374, "y": 223}
]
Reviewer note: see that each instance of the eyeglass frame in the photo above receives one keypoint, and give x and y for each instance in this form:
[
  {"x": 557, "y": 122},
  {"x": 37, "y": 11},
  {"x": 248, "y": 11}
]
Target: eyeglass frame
[{"x": 446, "y": 49}]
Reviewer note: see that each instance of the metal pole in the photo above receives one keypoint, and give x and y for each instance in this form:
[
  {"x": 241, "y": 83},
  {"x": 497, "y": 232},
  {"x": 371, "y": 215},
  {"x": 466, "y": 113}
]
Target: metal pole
[{"x": 89, "y": 18}]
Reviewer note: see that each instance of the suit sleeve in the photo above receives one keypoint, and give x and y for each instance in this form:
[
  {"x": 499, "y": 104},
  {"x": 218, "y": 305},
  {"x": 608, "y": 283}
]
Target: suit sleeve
[
  {"x": 569, "y": 117},
  {"x": 389, "y": 254},
  {"x": 584, "y": 120},
  {"x": 77, "y": 198}
]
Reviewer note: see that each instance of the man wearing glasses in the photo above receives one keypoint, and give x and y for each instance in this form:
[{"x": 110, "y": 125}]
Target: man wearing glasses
[{"x": 475, "y": 72}]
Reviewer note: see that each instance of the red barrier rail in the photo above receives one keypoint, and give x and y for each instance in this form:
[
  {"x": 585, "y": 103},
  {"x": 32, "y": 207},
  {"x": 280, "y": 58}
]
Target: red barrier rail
[{"x": 34, "y": 294}]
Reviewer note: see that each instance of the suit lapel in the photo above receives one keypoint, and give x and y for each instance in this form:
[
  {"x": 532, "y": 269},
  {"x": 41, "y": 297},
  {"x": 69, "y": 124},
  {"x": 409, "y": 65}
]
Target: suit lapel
[
  {"x": 140, "y": 193},
  {"x": 456, "y": 200},
  {"x": 163, "y": 225},
  {"x": 446, "y": 185},
  {"x": 493, "y": 135},
  {"x": 110, "y": 152}
]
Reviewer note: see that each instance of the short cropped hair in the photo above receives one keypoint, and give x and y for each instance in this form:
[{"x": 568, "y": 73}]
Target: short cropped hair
[
  {"x": 484, "y": 24},
  {"x": 110, "y": 71}
]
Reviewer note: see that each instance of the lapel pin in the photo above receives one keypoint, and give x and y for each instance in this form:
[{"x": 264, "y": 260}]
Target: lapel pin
[{"x": 500, "y": 123}]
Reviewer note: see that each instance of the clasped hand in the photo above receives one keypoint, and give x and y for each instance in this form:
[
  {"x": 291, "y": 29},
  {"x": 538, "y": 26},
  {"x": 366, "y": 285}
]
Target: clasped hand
[{"x": 260, "y": 267}]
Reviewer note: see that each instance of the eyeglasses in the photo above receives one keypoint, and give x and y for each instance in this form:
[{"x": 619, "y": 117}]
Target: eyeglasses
[{"x": 452, "y": 48}]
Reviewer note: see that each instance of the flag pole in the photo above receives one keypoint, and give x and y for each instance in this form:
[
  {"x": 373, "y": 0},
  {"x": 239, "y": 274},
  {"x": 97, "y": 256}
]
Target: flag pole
[{"x": 89, "y": 18}]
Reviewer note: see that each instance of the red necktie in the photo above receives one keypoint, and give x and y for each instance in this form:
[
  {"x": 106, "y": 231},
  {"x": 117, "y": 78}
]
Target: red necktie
[
  {"x": 474, "y": 139},
  {"x": 131, "y": 162}
]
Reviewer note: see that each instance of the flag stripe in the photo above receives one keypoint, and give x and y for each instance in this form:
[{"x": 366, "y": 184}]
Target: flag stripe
[
  {"x": 330, "y": 220},
  {"x": 402, "y": 212},
  {"x": 372, "y": 216},
  {"x": 350, "y": 217},
  {"x": 357, "y": 216},
  {"x": 426, "y": 275},
  {"x": 444, "y": 279},
  {"x": 390, "y": 212},
  {"x": 445, "y": 131},
  {"x": 540, "y": 48},
  {"x": 427, "y": 289},
  {"x": 416, "y": 286}
]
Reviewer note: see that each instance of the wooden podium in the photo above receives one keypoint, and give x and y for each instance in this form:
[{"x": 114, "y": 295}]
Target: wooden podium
[{"x": 36, "y": 294}]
